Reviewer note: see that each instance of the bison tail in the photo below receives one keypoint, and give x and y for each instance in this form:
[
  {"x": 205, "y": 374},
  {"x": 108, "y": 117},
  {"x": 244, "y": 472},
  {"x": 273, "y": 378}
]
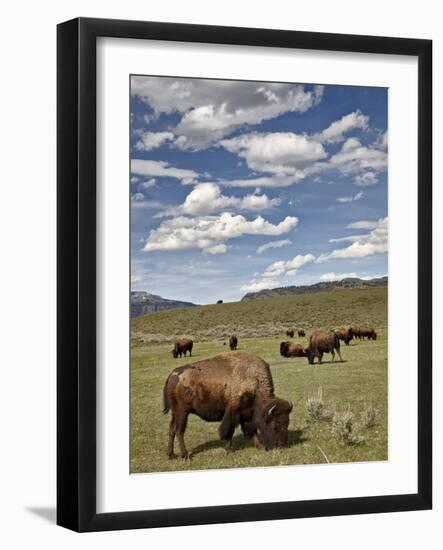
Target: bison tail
[{"x": 166, "y": 401}]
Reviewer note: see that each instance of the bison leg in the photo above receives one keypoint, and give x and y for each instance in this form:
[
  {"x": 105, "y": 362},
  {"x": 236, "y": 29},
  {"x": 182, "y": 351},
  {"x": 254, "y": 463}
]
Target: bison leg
[
  {"x": 258, "y": 444},
  {"x": 339, "y": 354},
  {"x": 180, "y": 427},
  {"x": 171, "y": 438},
  {"x": 227, "y": 428},
  {"x": 320, "y": 358},
  {"x": 333, "y": 354}
]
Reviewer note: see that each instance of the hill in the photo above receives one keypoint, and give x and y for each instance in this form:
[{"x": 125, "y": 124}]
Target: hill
[
  {"x": 270, "y": 317},
  {"x": 350, "y": 282},
  {"x": 143, "y": 303}
]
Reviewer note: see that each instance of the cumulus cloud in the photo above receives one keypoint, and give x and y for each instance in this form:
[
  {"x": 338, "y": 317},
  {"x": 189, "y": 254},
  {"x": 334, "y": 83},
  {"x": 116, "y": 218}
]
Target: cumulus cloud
[
  {"x": 355, "y": 158},
  {"x": 153, "y": 140},
  {"x": 356, "y": 197},
  {"x": 365, "y": 179},
  {"x": 282, "y": 153},
  {"x": 276, "y": 272},
  {"x": 337, "y": 130},
  {"x": 211, "y": 110},
  {"x": 159, "y": 169},
  {"x": 374, "y": 242},
  {"x": 208, "y": 233},
  {"x": 148, "y": 184},
  {"x": 331, "y": 276},
  {"x": 207, "y": 198},
  {"x": 273, "y": 244}
]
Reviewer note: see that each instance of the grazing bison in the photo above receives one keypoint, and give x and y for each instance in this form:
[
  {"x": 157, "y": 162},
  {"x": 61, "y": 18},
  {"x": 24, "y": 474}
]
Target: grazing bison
[
  {"x": 233, "y": 341},
  {"x": 219, "y": 301},
  {"x": 181, "y": 346},
  {"x": 230, "y": 388},
  {"x": 345, "y": 334},
  {"x": 301, "y": 332},
  {"x": 289, "y": 349},
  {"x": 322, "y": 342},
  {"x": 290, "y": 332},
  {"x": 367, "y": 332}
]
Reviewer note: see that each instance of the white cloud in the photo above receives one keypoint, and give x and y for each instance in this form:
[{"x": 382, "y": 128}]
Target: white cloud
[
  {"x": 148, "y": 184},
  {"x": 276, "y": 272},
  {"x": 335, "y": 132},
  {"x": 364, "y": 224},
  {"x": 355, "y": 158},
  {"x": 207, "y": 198},
  {"x": 263, "y": 181},
  {"x": 374, "y": 242},
  {"x": 273, "y": 244},
  {"x": 382, "y": 141},
  {"x": 207, "y": 232},
  {"x": 256, "y": 286},
  {"x": 281, "y": 153},
  {"x": 351, "y": 239},
  {"x": 331, "y": 276},
  {"x": 136, "y": 279},
  {"x": 356, "y": 197},
  {"x": 147, "y": 204},
  {"x": 137, "y": 196},
  {"x": 365, "y": 179},
  {"x": 153, "y": 140},
  {"x": 158, "y": 168},
  {"x": 212, "y": 109}
]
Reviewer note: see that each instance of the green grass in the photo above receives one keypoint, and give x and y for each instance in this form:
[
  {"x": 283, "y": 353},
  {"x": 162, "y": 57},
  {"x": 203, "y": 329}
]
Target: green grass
[{"x": 360, "y": 379}]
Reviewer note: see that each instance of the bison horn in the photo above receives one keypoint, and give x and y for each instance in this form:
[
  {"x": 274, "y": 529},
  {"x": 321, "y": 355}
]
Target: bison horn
[
  {"x": 271, "y": 410},
  {"x": 291, "y": 406}
]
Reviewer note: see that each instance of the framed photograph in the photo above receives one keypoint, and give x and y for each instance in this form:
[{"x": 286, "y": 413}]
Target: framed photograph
[{"x": 244, "y": 274}]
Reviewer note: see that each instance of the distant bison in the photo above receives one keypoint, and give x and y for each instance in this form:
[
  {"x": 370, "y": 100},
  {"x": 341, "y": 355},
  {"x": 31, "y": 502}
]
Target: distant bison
[
  {"x": 289, "y": 349},
  {"x": 233, "y": 341},
  {"x": 322, "y": 342},
  {"x": 367, "y": 332},
  {"x": 181, "y": 346},
  {"x": 219, "y": 301},
  {"x": 290, "y": 332},
  {"x": 345, "y": 334},
  {"x": 301, "y": 332},
  {"x": 230, "y": 388}
]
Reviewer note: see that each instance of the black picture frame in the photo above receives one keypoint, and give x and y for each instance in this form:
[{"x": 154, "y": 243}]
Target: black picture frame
[{"x": 76, "y": 265}]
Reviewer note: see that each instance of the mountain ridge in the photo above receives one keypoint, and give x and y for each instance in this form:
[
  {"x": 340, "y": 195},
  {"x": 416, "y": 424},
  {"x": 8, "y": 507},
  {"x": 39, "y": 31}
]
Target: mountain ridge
[
  {"x": 348, "y": 282},
  {"x": 143, "y": 302}
]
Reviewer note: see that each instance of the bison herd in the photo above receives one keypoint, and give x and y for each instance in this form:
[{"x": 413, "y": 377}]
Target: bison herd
[{"x": 236, "y": 388}]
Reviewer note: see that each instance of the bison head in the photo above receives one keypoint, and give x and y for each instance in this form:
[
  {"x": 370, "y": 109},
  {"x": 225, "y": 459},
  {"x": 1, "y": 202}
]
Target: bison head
[
  {"x": 284, "y": 349},
  {"x": 273, "y": 423},
  {"x": 174, "y": 353}
]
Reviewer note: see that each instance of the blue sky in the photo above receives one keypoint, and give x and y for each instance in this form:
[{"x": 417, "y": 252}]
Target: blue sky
[{"x": 240, "y": 186}]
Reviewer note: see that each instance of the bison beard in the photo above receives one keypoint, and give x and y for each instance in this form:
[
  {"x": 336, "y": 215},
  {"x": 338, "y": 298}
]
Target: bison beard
[{"x": 231, "y": 388}]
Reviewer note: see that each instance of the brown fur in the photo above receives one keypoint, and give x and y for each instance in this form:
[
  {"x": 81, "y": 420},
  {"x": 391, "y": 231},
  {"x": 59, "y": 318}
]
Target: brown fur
[
  {"x": 233, "y": 342},
  {"x": 301, "y": 332},
  {"x": 181, "y": 346},
  {"x": 231, "y": 388},
  {"x": 367, "y": 332},
  {"x": 289, "y": 349},
  {"x": 322, "y": 342},
  {"x": 290, "y": 332},
  {"x": 345, "y": 334}
]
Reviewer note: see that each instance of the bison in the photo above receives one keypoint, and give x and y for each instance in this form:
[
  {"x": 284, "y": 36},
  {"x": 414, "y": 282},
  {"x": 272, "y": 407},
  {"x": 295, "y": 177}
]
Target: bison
[
  {"x": 301, "y": 332},
  {"x": 231, "y": 388},
  {"x": 367, "y": 332},
  {"x": 289, "y": 349},
  {"x": 233, "y": 341},
  {"x": 322, "y": 342},
  {"x": 290, "y": 333},
  {"x": 181, "y": 346},
  {"x": 345, "y": 334}
]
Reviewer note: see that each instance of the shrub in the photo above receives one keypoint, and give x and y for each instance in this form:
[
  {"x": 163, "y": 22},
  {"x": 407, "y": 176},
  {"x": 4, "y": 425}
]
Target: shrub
[
  {"x": 315, "y": 407},
  {"x": 369, "y": 415},
  {"x": 343, "y": 428}
]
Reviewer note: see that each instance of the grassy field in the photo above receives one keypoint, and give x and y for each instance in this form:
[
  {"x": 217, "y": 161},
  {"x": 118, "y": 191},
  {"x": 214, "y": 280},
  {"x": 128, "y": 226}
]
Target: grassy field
[{"x": 360, "y": 380}]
